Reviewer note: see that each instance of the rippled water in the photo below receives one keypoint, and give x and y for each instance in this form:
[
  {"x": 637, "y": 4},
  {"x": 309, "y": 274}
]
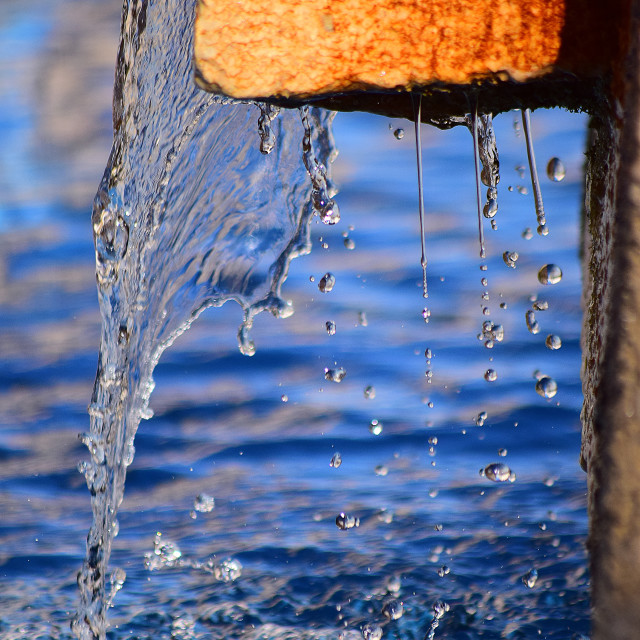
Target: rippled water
[{"x": 258, "y": 434}]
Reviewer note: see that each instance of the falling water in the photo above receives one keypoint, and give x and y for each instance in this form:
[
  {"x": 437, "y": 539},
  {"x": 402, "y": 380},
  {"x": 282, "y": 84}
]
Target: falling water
[
  {"x": 535, "y": 183},
  {"x": 203, "y": 201},
  {"x": 417, "y": 114},
  {"x": 478, "y": 194}
]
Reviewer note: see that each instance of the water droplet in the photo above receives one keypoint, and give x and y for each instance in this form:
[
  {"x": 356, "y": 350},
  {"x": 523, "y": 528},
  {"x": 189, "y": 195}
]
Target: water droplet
[
  {"x": 381, "y": 470},
  {"x": 527, "y": 234},
  {"x": 393, "y": 609},
  {"x": 490, "y": 208},
  {"x": 336, "y": 460},
  {"x": 375, "y": 427},
  {"x": 491, "y": 332},
  {"x": 490, "y": 375},
  {"x": 369, "y": 392},
  {"x": 555, "y": 170},
  {"x": 482, "y": 416},
  {"x": 349, "y": 244},
  {"x": 371, "y": 631},
  {"x": 540, "y": 305},
  {"x": 385, "y": 516},
  {"x": 497, "y": 472},
  {"x": 362, "y": 319},
  {"x": 550, "y": 274},
  {"x": 428, "y": 354},
  {"x": 502, "y": 452},
  {"x": 344, "y": 521},
  {"x": 399, "y": 134},
  {"x": 510, "y": 258},
  {"x": 426, "y": 314},
  {"x": 433, "y": 440},
  {"x": 439, "y": 609},
  {"x": 530, "y": 578},
  {"x": 532, "y": 324},
  {"x": 331, "y": 327},
  {"x": 204, "y": 503},
  {"x": 484, "y": 282},
  {"x": 284, "y": 397},
  {"x": 335, "y": 375},
  {"x": 543, "y": 230},
  {"x": 522, "y": 190},
  {"x": 327, "y": 282},
  {"x": 443, "y": 571},
  {"x": 553, "y": 342},
  {"x": 546, "y": 387}
]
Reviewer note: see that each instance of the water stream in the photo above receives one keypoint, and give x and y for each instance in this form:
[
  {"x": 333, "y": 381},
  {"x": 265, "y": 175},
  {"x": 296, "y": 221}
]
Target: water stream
[{"x": 351, "y": 479}]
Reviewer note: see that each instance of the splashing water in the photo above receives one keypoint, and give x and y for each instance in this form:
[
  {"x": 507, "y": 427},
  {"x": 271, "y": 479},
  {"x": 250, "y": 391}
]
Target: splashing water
[{"x": 192, "y": 212}]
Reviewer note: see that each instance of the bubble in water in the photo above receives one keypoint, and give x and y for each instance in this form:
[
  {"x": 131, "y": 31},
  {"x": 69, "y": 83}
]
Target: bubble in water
[
  {"x": 331, "y": 327},
  {"x": 344, "y": 521},
  {"x": 393, "y": 609},
  {"x": 482, "y": 416},
  {"x": 490, "y": 375},
  {"x": 555, "y": 170},
  {"x": 327, "y": 282},
  {"x": 369, "y": 392},
  {"x": 510, "y": 258},
  {"x": 336, "y": 460},
  {"x": 204, "y": 503},
  {"x": 399, "y": 134},
  {"x": 375, "y": 427},
  {"x": 546, "y": 387},
  {"x": 550, "y": 274},
  {"x": 497, "y": 472},
  {"x": 530, "y": 578},
  {"x": 335, "y": 375},
  {"x": 371, "y": 631},
  {"x": 553, "y": 342},
  {"x": 532, "y": 324}
]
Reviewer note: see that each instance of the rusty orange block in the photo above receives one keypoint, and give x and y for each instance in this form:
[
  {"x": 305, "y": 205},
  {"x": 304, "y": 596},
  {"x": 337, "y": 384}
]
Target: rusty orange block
[{"x": 308, "y": 48}]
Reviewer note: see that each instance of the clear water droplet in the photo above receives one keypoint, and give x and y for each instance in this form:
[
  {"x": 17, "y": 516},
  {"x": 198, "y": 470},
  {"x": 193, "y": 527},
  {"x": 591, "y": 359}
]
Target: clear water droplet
[
  {"x": 399, "y": 134},
  {"x": 227, "y": 570},
  {"x": 480, "y": 419},
  {"x": 540, "y": 305},
  {"x": 381, "y": 470},
  {"x": 502, "y": 452},
  {"x": 443, "y": 571},
  {"x": 553, "y": 342},
  {"x": 375, "y": 427},
  {"x": 510, "y": 258},
  {"x": 497, "y": 472},
  {"x": 327, "y": 282},
  {"x": 336, "y": 460},
  {"x": 204, "y": 503},
  {"x": 546, "y": 387},
  {"x": 331, "y": 327},
  {"x": 335, "y": 375},
  {"x": 344, "y": 521},
  {"x": 393, "y": 610},
  {"x": 371, "y": 631},
  {"x": 369, "y": 392},
  {"x": 362, "y": 319},
  {"x": 532, "y": 324},
  {"x": 426, "y": 314},
  {"x": 555, "y": 170},
  {"x": 527, "y": 234},
  {"x": 349, "y": 244},
  {"x": 530, "y": 578},
  {"x": 550, "y": 274},
  {"x": 490, "y": 375}
]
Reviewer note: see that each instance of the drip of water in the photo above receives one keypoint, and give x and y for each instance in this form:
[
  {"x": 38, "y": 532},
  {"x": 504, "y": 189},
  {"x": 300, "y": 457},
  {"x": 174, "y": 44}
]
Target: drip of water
[
  {"x": 535, "y": 183},
  {"x": 478, "y": 195},
  {"x": 417, "y": 112},
  {"x": 191, "y": 212}
]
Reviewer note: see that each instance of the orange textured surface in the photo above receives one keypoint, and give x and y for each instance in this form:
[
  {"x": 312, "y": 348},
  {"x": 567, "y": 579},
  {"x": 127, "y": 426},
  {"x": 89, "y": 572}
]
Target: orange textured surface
[{"x": 302, "y": 48}]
